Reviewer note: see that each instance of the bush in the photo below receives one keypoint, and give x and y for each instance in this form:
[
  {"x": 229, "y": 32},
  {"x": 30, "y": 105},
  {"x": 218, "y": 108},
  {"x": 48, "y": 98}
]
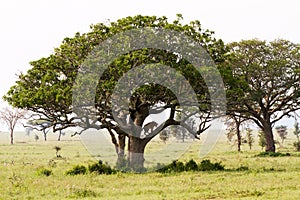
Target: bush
[
  {"x": 78, "y": 169},
  {"x": 207, "y": 165},
  {"x": 44, "y": 172},
  {"x": 100, "y": 168},
  {"x": 272, "y": 154},
  {"x": 297, "y": 146},
  {"x": 176, "y": 166},
  {"x": 191, "y": 166}
]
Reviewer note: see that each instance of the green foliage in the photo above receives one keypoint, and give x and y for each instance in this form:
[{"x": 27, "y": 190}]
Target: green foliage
[
  {"x": 272, "y": 154},
  {"x": 249, "y": 137},
  {"x": 100, "y": 168},
  {"x": 191, "y": 166},
  {"x": 177, "y": 166},
  {"x": 76, "y": 170},
  {"x": 262, "y": 139},
  {"x": 207, "y": 165},
  {"x": 44, "y": 172}
]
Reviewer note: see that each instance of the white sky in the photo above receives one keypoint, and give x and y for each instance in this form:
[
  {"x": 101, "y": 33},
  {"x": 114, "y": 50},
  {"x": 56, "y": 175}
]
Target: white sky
[{"x": 31, "y": 29}]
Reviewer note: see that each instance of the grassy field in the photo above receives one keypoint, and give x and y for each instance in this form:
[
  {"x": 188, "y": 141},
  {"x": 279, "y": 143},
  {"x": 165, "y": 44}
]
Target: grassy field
[{"x": 267, "y": 177}]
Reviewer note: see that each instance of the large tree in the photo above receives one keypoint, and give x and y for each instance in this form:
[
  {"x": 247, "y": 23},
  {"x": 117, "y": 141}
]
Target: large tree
[
  {"x": 47, "y": 88},
  {"x": 267, "y": 86}
]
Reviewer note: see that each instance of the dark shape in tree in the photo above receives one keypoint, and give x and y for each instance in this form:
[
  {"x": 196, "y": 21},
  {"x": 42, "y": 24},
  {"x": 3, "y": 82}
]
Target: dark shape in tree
[
  {"x": 267, "y": 83},
  {"x": 47, "y": 87}
]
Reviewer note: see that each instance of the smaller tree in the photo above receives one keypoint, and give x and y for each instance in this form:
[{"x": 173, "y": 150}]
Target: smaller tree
[
  {"x": 28, "y": 130},
  {"x": 57, "y": 149},
  {"x": 36, "y": 137},
  {"x": 249, "y": 137},
  {"x": 261, "y": 139},
  {"x": 297, "y": 130},
  {"x": 11, "y": 116},
  {"x": 282, "y": 132},
  {"x": 164, "y": 136},
  {"x": 40, "y": 125},
  {"x": 234, "y": 126},
  {"x": 297, "y": 133}
]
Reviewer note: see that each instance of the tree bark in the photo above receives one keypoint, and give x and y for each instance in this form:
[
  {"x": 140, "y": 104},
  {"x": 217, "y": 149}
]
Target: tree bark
[
  {"x": 59, "y": 135},
  {"x": 11, "y": 136},
  {"x": 120, "y": 151},
  {"x": 45, "y": 135},
  {"x": 136, "y": 150},
  {"x": 239, "y": 138},
  {"x": 270, "y": 144}
]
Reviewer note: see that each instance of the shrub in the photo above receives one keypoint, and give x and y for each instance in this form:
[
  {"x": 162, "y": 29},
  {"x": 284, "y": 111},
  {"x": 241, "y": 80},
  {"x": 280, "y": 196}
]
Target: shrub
[
  {"x": 176, "y": 166},
  {"x": 100, "y": 168},
  {"x": 297, "y": 146},
  {"x": 207, "y": 165},
  {"x": 191, "y": 166},
  {"x": 76, "y": 170},
  {"x": 44, "y": 172}
]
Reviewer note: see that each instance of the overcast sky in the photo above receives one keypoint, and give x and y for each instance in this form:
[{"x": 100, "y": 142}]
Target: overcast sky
[{"x": 31, "y": 29}]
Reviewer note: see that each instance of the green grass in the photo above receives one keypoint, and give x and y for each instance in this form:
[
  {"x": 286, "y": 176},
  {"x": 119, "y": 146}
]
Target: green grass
[{"x": 265, "y": 178}]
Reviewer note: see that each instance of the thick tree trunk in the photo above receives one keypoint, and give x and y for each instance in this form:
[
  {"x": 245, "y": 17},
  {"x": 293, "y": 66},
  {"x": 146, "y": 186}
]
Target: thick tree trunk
[
  {"x": 270, "y": 144},
  {"x": 136, "y": 145},
  {"x": 136, "y": 150}
]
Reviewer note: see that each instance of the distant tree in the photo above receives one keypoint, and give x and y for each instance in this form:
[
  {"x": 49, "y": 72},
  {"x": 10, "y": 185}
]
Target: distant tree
[
  {"x": 261, "y": 139},
  {"x": 11, "y": 116},
  {"x": 234, "y": 125},
  {"x": 267, "y": 86},
  {"x": 282, "y": 132},
  {"x": 36, "y": 137},
  {"x": 40, "y": 125},
  {"x": 297, "y": 130},
  {"x": 249, "y": 137},
  {"x": 164, "y": 135},
  {"x": 57, "y": 149},
  {"x": 28, "y": 130}
]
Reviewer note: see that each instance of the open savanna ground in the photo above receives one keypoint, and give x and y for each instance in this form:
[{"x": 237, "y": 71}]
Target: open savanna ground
[{"x": 261, "y": 177}]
